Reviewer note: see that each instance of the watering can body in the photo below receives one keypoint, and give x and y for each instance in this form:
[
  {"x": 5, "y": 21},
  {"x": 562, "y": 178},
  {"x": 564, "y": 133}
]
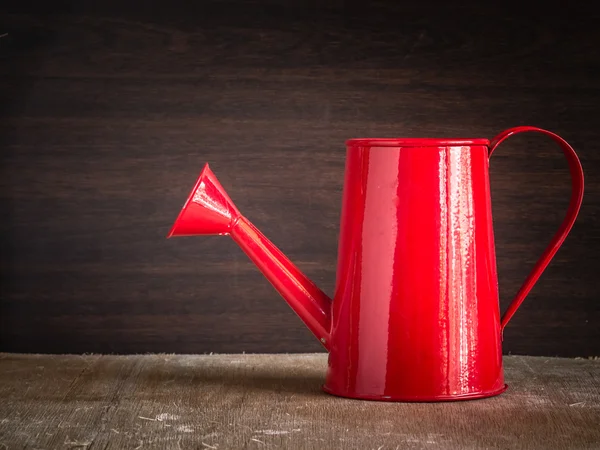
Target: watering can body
[{"x": 415, "y": 314}]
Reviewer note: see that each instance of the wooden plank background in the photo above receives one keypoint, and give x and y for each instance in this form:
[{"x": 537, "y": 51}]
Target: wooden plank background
[{"x": 109, "y": 110}]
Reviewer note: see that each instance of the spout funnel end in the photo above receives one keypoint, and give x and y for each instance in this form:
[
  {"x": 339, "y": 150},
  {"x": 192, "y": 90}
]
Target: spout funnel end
[{"x": 207, "y": 210}]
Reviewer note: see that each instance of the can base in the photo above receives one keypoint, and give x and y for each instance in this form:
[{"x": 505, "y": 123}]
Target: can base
[{"x": 438, "y": 398}]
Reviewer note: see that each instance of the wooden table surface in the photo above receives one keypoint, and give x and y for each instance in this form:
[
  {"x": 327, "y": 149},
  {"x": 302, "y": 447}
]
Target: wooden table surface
[{"x": 275, "y": 401}]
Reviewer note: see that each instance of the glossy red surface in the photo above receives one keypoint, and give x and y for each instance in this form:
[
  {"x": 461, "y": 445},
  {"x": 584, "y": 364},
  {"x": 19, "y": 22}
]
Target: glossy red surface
[
  {"x": 416, "y": 312},
  {"x": 415, "y": 315},
  {"x": 307, "y": 300},
  {"x": 413, "y": 142},
  {"x": 574, "y": 204},
  {"x": 209, "y": 210}
]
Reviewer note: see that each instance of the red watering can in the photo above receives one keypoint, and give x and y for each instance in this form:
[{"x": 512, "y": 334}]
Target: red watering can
[{"x": 415, "y": 315}]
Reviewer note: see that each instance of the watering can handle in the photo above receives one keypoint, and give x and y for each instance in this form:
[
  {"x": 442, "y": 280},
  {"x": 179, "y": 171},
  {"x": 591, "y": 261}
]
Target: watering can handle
[{"x": 565, "y": 227}]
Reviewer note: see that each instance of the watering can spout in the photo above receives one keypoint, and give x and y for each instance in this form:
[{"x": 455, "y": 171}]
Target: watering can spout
[{"x": 209, "y": 210}]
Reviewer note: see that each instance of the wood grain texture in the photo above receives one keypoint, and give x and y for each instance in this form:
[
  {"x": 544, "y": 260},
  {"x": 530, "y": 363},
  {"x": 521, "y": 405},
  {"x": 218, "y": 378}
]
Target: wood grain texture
[
  {"x": 274, "y": 401},
  {"x": 109, "y": 110}
]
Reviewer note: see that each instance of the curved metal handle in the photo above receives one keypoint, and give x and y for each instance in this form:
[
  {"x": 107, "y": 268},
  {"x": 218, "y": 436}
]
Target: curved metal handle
[{"x": 574, "y": 205}]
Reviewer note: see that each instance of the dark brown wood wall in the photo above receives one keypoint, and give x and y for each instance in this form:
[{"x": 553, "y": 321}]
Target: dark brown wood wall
[{"x": 110, "y": 109}]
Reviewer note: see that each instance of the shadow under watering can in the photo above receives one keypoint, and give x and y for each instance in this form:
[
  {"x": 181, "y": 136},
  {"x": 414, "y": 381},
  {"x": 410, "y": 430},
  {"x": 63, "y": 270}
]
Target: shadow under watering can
[{"x": 415, "y": 314}]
